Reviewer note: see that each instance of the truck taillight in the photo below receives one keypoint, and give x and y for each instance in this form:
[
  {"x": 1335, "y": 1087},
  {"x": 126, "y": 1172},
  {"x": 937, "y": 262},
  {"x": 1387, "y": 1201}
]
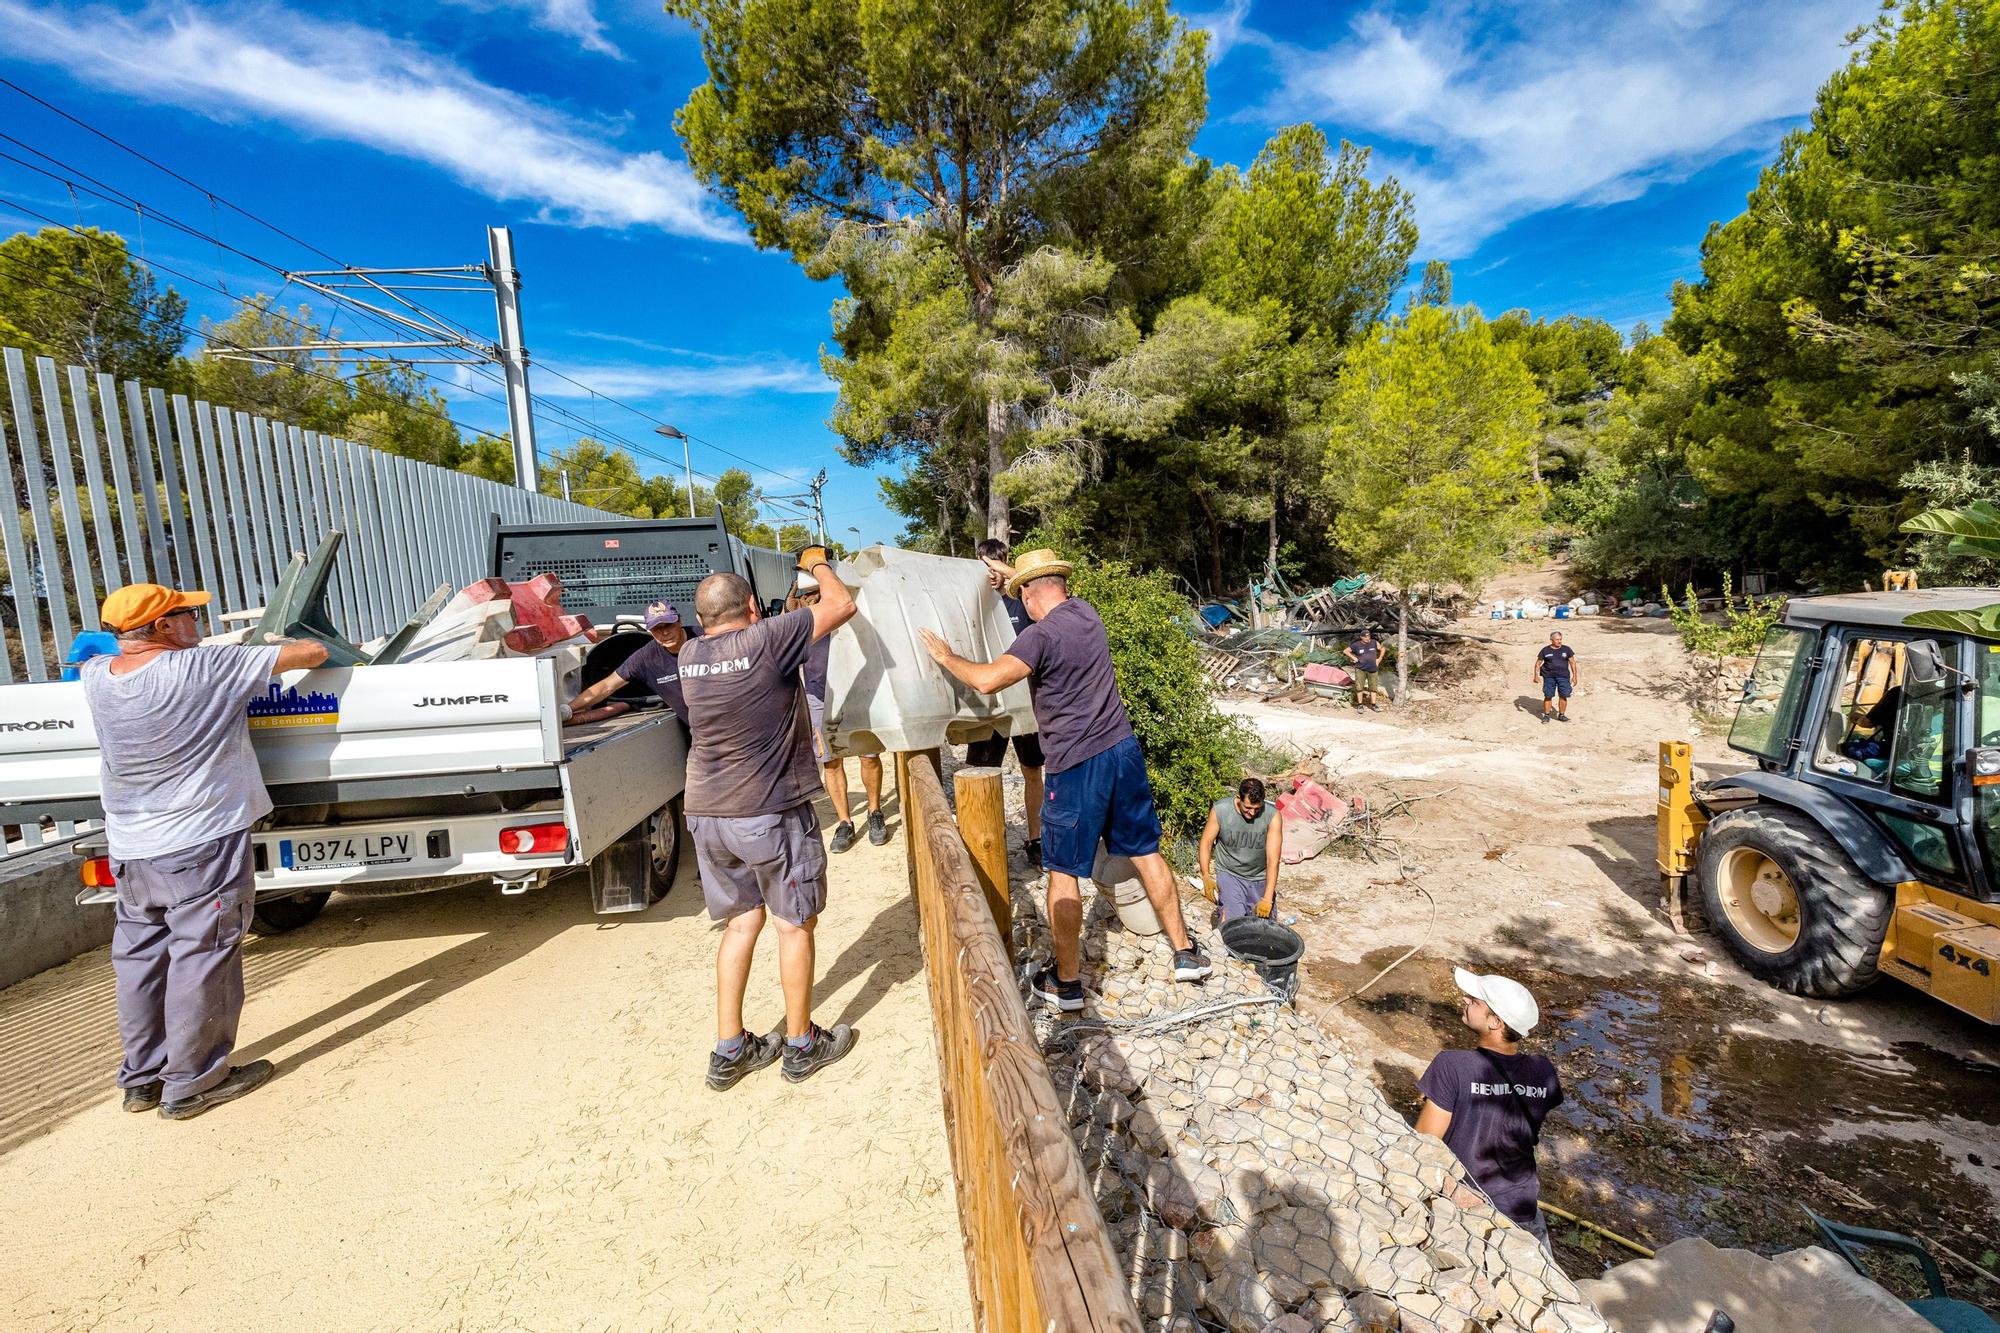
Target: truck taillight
[
  {"x": 97, "y": 873},
  {"x": 534, "y": 839}
]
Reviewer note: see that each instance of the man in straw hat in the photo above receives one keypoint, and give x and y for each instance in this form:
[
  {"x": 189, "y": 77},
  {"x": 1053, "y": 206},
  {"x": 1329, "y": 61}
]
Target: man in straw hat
[
  {"x": 180, "y": 789},
  {"x": 1487, "y": 1103},
  {"x": 1096, "y": 776}
]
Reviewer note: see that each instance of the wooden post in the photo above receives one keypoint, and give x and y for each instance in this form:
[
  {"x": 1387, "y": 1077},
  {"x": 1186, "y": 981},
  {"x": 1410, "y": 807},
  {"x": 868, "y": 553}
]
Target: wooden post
[{"x": 982, "y": 822}]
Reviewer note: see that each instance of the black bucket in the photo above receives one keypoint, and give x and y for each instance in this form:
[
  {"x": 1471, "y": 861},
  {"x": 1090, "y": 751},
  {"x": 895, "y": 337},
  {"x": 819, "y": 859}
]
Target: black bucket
[{"x": 1272, "y": 949}]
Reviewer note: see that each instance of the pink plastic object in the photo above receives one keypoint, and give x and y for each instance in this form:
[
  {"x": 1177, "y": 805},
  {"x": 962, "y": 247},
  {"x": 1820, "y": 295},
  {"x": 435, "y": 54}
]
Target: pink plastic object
[
  {"x": 1308, "y": 800},
  {"x": 539, "y": 620},
  {"x": 1326, "y": 673}
]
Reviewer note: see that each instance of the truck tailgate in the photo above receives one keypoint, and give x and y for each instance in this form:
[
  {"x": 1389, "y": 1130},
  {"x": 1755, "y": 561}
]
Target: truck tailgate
[{"x": 332, "y": 724}]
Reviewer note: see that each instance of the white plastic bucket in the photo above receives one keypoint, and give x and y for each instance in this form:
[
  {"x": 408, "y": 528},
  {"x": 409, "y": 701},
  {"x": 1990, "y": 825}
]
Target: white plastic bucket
[{"x": 1128, "y": 893}]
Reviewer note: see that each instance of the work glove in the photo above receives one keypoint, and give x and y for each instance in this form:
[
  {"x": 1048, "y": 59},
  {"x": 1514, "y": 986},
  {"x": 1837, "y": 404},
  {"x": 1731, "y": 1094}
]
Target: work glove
[{"x": 811, "y": 556}]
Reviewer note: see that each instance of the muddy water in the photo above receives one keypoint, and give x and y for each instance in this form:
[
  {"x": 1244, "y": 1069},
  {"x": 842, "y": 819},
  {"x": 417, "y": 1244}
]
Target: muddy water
[{"x": 1679, "y": 1121}]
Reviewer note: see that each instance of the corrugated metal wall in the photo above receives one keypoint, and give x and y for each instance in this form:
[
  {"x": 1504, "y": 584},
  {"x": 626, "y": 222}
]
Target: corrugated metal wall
[{"x": 126, "y": 484}]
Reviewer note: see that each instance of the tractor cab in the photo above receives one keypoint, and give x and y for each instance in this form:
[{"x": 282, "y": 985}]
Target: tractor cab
[{"x": 1867, "y": 837}]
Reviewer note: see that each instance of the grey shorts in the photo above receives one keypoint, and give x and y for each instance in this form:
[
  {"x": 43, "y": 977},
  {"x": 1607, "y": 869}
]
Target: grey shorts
[
  {"x": 1237, "y": 895},
  {"x": 751, "y": 861}
]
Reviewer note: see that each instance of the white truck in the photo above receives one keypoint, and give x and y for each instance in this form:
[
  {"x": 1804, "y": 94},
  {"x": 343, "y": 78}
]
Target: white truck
[
  {"x": 401, "y": 779},
  {"x": 411, "y": 777}
]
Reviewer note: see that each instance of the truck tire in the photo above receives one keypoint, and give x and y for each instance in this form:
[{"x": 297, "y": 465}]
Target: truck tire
[
  {"x": 664, "y": 835},
  {"x": 1790, "y": 904},
  {"x": 278, "y": 915}
]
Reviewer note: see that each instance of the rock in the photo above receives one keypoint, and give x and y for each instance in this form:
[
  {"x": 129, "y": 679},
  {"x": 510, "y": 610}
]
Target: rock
[
  {"x": 1217, "y": 1247},
  {"x": 1242, "y": 1302},
  {"x": 1288, "y": 1289},
  {"x": 1290, "y": 1323},
  {"x": 1568, "y": 1317},
  {"x": 1374, "y": 1312}
]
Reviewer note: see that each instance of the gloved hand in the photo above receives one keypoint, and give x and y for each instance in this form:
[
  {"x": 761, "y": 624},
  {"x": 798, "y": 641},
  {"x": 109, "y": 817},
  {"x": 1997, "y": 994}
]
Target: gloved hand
[
  {"x": 811, "y": 556},
  {"x": 1264, "y": 906}
]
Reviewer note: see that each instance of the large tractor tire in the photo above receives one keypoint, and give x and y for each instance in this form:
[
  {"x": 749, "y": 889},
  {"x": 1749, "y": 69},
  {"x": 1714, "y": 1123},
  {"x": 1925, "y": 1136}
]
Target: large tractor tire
[
  {"x": 278, "y": 915},
  {"x": 1790, "y": 904}
]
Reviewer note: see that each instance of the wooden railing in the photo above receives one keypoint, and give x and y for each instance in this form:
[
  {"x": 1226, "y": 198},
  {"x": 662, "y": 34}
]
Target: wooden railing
[{"x": 1036, "y": 1248}]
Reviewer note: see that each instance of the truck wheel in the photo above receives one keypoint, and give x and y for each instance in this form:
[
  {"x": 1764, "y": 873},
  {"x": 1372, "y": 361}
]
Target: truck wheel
[
  {"x": 663, "y": 844},
  {"x": 278, "y": 915},
  {"x": 1790, "y": 904}
]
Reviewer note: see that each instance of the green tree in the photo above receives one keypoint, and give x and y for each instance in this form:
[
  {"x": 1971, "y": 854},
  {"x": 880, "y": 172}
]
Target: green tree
[
  {"x": 1435, "y": 289},
  {"x": 77, "y": 296},
  {"x": 921, "y": 151},
  {"x": 1434, "y": 423}
]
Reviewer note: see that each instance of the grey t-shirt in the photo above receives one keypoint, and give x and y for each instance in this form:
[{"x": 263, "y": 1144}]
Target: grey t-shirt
[
  {"x": 752, "y": 750},
  {"x": 175, "y": 764},
  {"x": 1239, "y": 842},
  {"x": 1077, "y": 708}
]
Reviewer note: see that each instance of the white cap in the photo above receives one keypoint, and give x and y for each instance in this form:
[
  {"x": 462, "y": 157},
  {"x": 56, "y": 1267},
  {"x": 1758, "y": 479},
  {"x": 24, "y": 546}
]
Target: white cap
[{"x": 1508, "y": 999}]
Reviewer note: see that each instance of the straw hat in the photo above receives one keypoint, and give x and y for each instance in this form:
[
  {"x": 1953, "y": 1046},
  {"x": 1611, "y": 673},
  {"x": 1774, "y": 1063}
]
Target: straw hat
[{"x": 1036, "y": 565}]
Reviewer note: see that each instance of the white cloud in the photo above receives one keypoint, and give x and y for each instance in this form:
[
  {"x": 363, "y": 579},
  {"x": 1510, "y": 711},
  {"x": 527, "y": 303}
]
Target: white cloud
[
  {"x": 571, "y": 18},
  {"x": 1502, "y": 112},
  {"x": 1226, "y": 27},
  {"x": 342, "y": 82},
  {"x": 706, "y": 377}
]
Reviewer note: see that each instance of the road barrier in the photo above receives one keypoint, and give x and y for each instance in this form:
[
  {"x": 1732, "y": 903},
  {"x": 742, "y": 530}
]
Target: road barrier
[{"x": 1036, "y": 1249}]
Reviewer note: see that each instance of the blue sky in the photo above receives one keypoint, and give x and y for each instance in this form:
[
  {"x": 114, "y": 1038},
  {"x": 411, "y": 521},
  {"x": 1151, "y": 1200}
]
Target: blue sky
[{"x": 1565, "y": 157}]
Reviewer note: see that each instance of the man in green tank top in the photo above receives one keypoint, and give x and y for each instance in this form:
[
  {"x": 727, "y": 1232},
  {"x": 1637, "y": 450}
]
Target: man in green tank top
[{"x": 1240, "y": 852}]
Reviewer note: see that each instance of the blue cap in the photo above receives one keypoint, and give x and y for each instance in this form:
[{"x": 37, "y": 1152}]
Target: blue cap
[{"x": 661, "y": 613}]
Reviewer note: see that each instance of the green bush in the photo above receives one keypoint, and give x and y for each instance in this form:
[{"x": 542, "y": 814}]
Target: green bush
[
  {"x": 1738, "y": 634},
  {"x": 1194, "y": 754}
]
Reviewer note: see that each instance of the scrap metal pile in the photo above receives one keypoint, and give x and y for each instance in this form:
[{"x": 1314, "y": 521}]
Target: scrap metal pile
[{"x": 1295, "y": 647}]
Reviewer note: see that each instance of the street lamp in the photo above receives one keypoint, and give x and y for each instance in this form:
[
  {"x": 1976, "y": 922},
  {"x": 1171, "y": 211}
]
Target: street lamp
[{"x": 673, "y": 433}]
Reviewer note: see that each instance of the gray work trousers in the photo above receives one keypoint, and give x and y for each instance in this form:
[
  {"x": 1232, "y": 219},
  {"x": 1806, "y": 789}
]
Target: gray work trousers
[{"x": 177, "y": 954}]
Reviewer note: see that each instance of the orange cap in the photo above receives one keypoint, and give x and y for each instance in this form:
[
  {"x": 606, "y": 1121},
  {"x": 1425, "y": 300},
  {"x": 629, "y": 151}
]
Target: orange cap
[{"x": 138, "y": 604}]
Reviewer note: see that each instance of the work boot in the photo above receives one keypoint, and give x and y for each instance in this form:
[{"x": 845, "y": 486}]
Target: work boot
[
  {"x": 1190, "y": 965},
  {"x": 240, "y": 1080},
  {"x": 878, "y": 829},
  {"x": 843, "y": 836},
  {"x": 143, "y": 1096},
  {"x": 822, "y": 1048},
  {"x": 1033, "y": 849},
  {"x": 757, "y": 1052},
  {"x": 1066, "y": 996}
]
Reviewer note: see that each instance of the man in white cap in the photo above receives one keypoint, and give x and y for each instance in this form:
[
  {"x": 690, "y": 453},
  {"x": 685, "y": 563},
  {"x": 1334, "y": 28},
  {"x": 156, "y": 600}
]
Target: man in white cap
[{"x": 1487, "y": 1103}]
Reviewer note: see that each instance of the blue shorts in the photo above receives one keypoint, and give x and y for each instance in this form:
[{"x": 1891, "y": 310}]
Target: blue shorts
[
  {"x": 1105, "y": 797},
  {"x": 1554, "y": 685}
]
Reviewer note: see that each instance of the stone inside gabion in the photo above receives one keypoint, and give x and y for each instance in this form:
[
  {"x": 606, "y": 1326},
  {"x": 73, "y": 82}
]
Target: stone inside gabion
[{"x": 1251, "y": 1175}]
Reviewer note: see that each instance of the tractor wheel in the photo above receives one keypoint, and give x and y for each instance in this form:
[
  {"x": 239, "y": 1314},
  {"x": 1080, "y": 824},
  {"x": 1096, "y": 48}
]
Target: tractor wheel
[
  {"x": 663, "y": 846},
  {"x": 1790, "y": 904},
  {"x": 278, "y": 915}
]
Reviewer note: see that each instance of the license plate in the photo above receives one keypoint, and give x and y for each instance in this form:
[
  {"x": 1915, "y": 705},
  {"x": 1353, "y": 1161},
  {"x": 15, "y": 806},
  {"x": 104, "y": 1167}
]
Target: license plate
[{"x": 352, "y": 849}]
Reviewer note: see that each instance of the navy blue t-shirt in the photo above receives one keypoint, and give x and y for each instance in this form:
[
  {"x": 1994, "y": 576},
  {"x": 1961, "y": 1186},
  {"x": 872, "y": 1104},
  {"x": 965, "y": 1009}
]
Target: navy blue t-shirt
[
  {"x": 1367, "y": 654},
  {"x": 1017, "y": 612},
  {"x": 659, "y": 670},
  {"x": 1496, "y": 1103},
  {"x": 1555, "y": 661}
]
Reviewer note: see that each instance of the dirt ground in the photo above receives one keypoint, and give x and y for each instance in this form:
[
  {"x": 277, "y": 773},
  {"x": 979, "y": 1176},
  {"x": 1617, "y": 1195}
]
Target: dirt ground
[
  {"x": 489, "y": 1114},
  {"x": 1700, "y": 1101}
]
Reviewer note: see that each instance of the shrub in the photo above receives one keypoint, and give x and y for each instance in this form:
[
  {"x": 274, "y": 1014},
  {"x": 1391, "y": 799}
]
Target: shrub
[{"x": 1738, "y": 634}]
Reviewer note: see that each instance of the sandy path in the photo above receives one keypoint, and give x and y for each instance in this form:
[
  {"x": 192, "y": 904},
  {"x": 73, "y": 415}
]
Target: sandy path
[{"x": 489, "y": 1114}]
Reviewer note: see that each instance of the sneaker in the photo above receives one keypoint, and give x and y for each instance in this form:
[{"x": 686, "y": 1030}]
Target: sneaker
[
  {"x": 822, "y": 1049},
  {"x": 843, "y": 836},
  {"x": 241, "y": 1079},
  {"x": 757, "y": 1052},
  {"x": 1033, "y": 848},
  {"x": 1545, "y": 719},
  {"x": 1562, "y": 717},
  {"x": 143, "y": 1096},
  {"x": 1064, "y": 995},
  {"x": 1374, "y": 708},
  {"x": 1190, "y": 965},
  {"x": 878, "y": 829}
]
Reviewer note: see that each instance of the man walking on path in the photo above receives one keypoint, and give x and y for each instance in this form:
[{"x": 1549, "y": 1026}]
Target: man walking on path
[
  {"x": 1240, "y": 852},
  {"x": 1487, "y": 1103},
  {"x": 834, "y": 770},
  {"x": 1366, "y": 654},
  {"x": 1028, "y": 746},
  {"x": 181, "y": 789},
  {"x": 750, "y": 785},
  {"x": 1555, "y": 668},
  {"x": 1097, "y": 787}
]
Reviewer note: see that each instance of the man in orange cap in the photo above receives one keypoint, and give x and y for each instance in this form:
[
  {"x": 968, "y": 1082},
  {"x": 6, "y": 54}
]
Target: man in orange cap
[{"x": 181, "y": 789}]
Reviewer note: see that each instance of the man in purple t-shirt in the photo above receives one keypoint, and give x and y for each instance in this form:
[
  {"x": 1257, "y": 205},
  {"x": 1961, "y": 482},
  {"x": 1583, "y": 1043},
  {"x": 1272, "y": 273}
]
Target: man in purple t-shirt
[
  {"x": 1097, "y": 787},
  {"x": 1487, "y": 1103},
  {"x": 750, "y": 787}
]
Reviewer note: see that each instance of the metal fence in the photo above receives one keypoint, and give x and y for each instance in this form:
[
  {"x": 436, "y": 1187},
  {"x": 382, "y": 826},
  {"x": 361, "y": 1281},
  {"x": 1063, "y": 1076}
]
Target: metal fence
[{"x": 115, "y": 482}]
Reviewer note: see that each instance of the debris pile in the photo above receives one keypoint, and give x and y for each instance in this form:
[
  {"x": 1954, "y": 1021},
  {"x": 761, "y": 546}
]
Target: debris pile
[
  {"x": 1255, "y": 1180},
  {"x": 1294, "y": 648}
]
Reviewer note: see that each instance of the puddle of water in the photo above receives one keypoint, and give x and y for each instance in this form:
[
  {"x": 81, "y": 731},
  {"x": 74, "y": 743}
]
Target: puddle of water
[{"x": 1675, "y": 1124}]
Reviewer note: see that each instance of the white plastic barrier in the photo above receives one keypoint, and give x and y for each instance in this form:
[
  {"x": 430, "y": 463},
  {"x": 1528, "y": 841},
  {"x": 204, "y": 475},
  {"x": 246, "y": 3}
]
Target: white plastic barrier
[{"x": 883, "y": 691}]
